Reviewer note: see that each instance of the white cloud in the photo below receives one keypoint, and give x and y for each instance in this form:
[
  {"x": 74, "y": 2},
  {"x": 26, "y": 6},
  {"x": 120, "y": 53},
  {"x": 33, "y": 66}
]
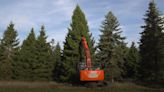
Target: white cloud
[{"x": 27, "y": 14}]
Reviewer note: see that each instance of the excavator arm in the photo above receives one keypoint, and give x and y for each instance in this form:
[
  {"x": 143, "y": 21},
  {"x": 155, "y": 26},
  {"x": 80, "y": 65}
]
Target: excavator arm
[{"x": 87, "y": 53}]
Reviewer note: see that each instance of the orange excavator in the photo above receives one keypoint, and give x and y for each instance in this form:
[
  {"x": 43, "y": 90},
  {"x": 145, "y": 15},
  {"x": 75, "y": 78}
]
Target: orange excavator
[{"x": 87, "y": 73}]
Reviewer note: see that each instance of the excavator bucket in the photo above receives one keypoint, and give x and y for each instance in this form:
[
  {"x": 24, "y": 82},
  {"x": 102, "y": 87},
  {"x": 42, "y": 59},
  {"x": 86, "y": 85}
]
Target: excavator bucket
[{"x": 92, "y": 75}]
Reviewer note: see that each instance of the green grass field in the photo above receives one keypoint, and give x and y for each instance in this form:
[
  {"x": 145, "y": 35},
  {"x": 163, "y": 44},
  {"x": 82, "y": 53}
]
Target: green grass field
[{"x": 55, "y": 87}]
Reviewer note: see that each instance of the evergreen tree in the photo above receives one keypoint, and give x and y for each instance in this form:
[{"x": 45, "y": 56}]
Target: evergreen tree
[
  {"x": 118, "y": 58},
  {"x": 132, "y": 61},
  {"x": 9, "y": 49},
  {"x": 27, "y": 61},
  {"x": 44, "y": 64},
  {"x": 57, "y": 64},
  {"x": 73, "y": 52},
  {"x": 111, "y": 46},
  {"x": 151, "y": 46},
  {"x": 160, "y": 73}
]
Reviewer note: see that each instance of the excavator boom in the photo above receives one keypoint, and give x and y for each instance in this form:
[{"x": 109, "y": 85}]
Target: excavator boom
[{"x": 87, "y": 53}]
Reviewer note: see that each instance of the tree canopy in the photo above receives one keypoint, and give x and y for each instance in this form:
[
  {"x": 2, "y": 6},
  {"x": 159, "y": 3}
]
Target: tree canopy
[{"x": 151, "y": 45}]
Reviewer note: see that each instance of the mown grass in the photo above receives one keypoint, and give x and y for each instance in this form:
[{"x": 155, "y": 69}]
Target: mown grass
[{"x": 54, "y": 87}]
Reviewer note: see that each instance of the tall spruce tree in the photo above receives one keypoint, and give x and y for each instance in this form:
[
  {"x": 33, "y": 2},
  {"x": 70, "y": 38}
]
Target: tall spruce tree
[
  {"x": 161, "y": 51},
  {"x": 73, "y": 52},
  {"x": 9, "y": 49},
  {"x": 151, "y": 46},
  {"x": 44, "y": 65},
  {"x": 132, "y": 62},
  {"x": 110, "y": 46},
  {"x": 27, "y": 61}
]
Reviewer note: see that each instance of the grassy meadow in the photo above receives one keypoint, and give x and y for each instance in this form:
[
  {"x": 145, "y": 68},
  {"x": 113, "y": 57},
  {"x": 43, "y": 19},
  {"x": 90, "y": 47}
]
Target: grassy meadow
[{"x": 57, "y": 87}]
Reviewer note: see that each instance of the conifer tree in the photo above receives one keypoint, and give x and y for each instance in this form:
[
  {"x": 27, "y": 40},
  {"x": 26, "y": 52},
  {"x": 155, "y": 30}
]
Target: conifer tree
[
  {"x": 57, "y": 64},
  {"x": 9, "y": 49},
  {"x": 27, "y": 61},
  {"x": 111, "y": 46},
  {"x": 73, "y": 52},
  {"x": 151, "y": 46},
  {"x": 44, "y": 65},
  {"x": 132, "y": 61}
]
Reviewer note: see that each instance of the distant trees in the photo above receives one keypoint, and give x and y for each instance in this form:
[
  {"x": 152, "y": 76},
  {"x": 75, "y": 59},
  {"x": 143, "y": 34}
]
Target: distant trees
[
  {"x": 35, "y": 59},
  {"x": 152, "y": 46},
  {"x": 57, "y": 71},
  {"x": 111, "y": 44},
  {"x": 131, "y": 64}
]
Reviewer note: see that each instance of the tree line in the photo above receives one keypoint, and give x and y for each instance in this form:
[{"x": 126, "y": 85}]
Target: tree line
[{"x": 38, "y": 59}]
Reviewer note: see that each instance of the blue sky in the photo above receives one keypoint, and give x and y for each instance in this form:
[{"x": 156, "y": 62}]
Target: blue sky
[{"x": 56, "y": 16}]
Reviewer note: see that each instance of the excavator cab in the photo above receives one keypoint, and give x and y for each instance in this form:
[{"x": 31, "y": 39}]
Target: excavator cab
[{"x": 87, "y": 71}]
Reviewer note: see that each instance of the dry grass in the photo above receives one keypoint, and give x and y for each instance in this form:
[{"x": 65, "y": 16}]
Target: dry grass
[
  {"x": 29, "y": 84},
  {"x": 22, "y": 86}
]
